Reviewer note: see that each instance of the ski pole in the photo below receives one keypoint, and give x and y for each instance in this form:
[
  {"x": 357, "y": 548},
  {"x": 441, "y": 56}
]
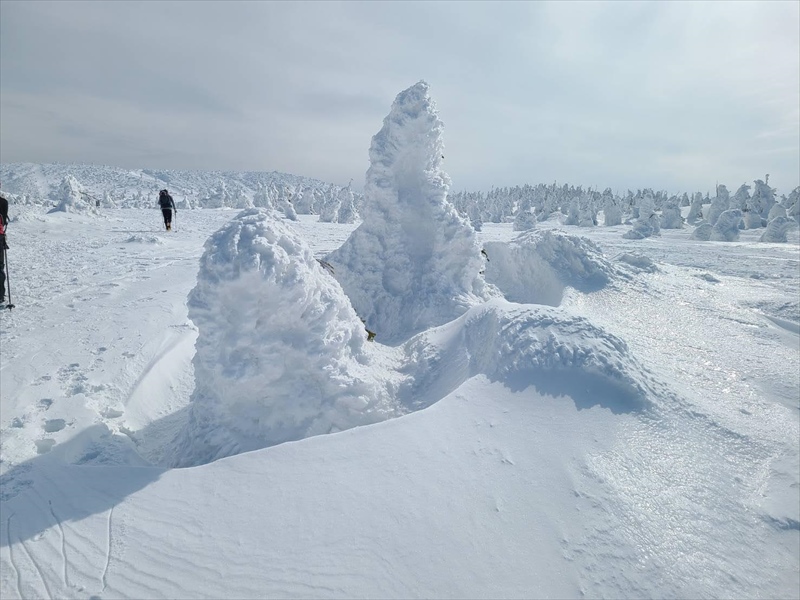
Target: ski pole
[{"x": 9, "y": 306}]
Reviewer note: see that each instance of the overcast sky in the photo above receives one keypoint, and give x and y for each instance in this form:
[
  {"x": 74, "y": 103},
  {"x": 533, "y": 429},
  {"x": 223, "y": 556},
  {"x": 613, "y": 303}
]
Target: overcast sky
[{"x": 669, "y": 95}]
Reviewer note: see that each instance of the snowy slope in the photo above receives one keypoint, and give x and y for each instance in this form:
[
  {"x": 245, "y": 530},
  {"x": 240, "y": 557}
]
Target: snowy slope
[
  {"x": 39, "y": 183},
  {"x": 526, "y": 486}
]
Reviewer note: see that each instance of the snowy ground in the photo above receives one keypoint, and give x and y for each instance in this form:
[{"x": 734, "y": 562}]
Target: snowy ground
[{"x": 548, "y": 484}]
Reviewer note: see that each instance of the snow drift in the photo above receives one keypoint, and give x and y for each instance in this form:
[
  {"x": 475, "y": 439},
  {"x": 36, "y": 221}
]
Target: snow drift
[
  {"x": 525, "y": 346},
  {"x": 537, "y": 266}
]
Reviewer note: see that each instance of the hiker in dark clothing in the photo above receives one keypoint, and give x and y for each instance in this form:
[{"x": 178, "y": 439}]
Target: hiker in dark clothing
[
  {"x": 3, "y": 244},
  {"x": 167, "y": 205}
]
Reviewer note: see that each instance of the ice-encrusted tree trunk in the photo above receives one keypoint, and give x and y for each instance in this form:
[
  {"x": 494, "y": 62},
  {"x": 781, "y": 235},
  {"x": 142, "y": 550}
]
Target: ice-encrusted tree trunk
[{"x": 413, "y": 263}]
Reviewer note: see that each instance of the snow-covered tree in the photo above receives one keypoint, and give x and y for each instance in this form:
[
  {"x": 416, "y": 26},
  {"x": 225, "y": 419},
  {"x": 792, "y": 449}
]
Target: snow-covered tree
[
  {"x": 261, "y": 197},
  {"x": 777, "y": 210},
  {"x": 284, "y": 205},
  {"x": 647, "y": 224},
  {"x": 347, "y": 209},
  {"x": 777, "y": 230},
  {"x": 741, "y": 197},
  {"x": 524, "y": 221},
  {"x": 793, "y": 205},
  {"x": 413, "y": 263},
  {"x": 306, "y": 201},
  {"x": 587, "y": 213},
  {"x": 719, "y": 204},
  {"x": 70, "y": 197},
  {"x": 763, "y": 197},
  {"x": 726, "y": 228},
  {"x": 702, "y": 232},
  {"x": 612, "y": 209},
  {"x": 329, "y": 211},
  {"x": 696, "y": 209},
  {"x": 671, "y": 214}
]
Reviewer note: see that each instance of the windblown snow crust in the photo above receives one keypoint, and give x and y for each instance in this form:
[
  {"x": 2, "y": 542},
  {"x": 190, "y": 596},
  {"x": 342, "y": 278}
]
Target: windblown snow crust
[
  {"x": 280, "y": 354},
  {"x": 413, "y": 263}
]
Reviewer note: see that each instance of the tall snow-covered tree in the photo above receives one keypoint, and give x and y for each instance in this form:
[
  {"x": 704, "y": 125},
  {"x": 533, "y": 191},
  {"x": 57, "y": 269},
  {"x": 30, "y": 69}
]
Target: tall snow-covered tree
[{"x": 413, "y": 263}]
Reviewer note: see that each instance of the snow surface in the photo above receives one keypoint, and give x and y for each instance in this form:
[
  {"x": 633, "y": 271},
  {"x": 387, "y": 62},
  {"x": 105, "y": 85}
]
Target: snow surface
[{"x": 651, "y": 451}]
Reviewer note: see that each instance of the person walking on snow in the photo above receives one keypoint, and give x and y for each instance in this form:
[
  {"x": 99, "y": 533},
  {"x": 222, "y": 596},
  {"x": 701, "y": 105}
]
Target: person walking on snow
[
  {"x": 3, "y": 244},
  {"x": 167, "y": 206}
]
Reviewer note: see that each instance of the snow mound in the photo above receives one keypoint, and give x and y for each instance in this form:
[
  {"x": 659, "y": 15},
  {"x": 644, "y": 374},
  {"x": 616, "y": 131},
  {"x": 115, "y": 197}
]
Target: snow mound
[
  {"x": 280, "y": 354},
  {"x": 522, "y": 345},
  {"x": 537, "y": 266},
  {"x": 413, "y": 263},
  {"x": 138, "y": 238}
]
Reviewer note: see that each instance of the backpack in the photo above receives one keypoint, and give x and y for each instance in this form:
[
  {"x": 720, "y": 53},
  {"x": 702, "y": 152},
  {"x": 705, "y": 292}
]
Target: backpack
[{"x": 164, "y": 199}]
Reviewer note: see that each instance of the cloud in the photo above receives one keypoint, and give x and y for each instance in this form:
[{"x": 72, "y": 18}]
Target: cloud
[{"x": 594, "y": 93}]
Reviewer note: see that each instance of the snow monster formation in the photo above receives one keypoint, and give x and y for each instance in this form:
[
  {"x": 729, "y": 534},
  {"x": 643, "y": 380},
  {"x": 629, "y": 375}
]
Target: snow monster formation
[
  {"x": 413, "y": 263},
  {"x": 280, "y": 353},
  {"x": 71, "y": 198}
]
